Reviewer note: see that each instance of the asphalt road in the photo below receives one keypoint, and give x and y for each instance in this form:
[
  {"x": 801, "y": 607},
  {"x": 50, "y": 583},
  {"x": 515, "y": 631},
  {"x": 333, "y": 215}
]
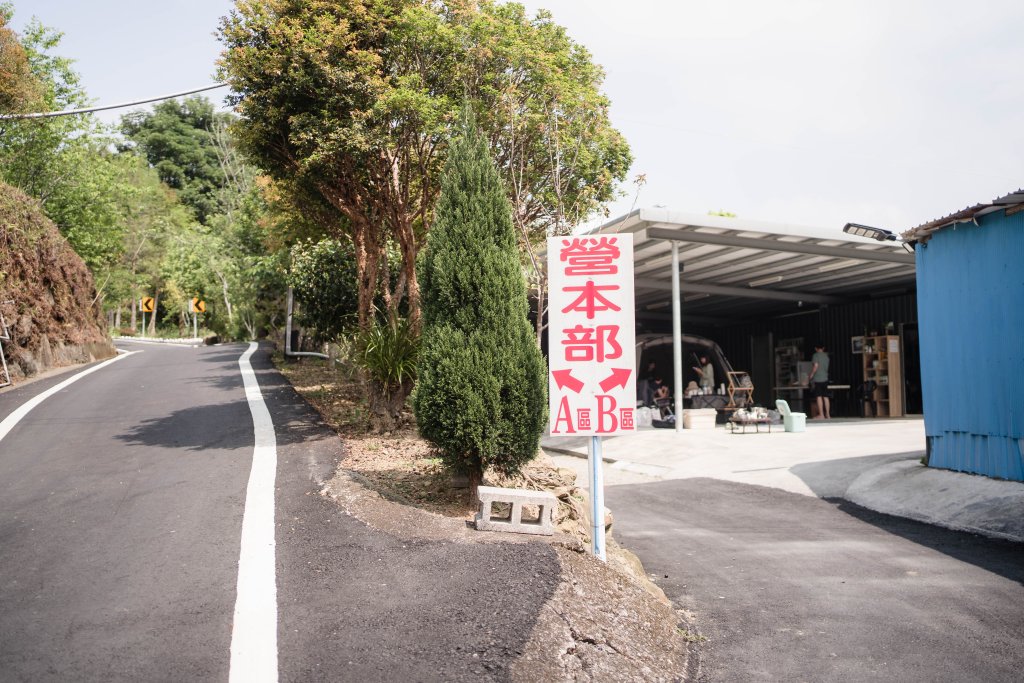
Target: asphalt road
[
  {"x": 788, "y": 587},
  {"x": 121, "y": 500}
]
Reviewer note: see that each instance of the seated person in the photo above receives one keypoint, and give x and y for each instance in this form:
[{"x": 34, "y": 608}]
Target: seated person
[
  {"x": 660, "y": 389},
  {"x": 661, "y": 396}
]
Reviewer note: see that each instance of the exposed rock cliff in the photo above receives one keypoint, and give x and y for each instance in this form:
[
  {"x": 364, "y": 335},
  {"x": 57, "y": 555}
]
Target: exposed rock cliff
[{"x": 47, "y": 294}]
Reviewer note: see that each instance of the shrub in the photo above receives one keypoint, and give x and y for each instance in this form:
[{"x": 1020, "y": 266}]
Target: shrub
[
  {"x": 481, "y": 396},
  {"x": 324, "y": 277},
  {"x": 387, "y": 353}
]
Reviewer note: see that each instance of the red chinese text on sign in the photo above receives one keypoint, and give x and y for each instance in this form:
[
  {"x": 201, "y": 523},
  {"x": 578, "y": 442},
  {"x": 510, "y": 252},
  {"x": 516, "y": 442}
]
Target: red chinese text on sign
[
  {"x": 592, "y": 350},
  {"x": 591, "y": 301},
  {"x": 589, "y": 256},
  {"x": 591, "y": 343}
]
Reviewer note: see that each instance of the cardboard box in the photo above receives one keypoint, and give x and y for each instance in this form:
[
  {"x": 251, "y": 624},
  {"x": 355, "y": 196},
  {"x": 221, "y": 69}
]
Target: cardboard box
[{"x": 701, "y": 418}]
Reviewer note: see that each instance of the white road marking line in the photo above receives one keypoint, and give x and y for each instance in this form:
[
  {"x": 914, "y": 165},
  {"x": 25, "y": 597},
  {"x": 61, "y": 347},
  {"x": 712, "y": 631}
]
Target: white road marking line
[
  {"x": 254, "y": 632},
  {"x": 14, "y": 418}
]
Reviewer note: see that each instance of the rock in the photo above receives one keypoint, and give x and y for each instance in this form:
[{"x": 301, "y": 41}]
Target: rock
[
  {"x": 569, "y": 476},
  {"x": 27, "y": 362},
  {"x": 45, "y": 352}
]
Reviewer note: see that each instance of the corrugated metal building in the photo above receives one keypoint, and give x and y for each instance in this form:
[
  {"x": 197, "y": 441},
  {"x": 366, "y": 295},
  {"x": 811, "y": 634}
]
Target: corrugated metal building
[{"x": 970, "y": 296}]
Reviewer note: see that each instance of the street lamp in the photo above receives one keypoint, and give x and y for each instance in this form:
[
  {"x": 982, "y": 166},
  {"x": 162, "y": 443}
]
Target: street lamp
[{"x": 867, "y": 231}]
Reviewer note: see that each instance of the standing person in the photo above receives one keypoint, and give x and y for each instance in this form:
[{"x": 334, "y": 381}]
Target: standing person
[
  {"x": 819, "y": 381},
  {"x": 706, "y": 372}
]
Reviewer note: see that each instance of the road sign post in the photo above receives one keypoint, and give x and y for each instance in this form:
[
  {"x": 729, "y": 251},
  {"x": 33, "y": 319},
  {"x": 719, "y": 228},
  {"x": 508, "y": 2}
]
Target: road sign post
[
  {"x": 591, "y": 349},
  {"x": 146, "y": 305},
  {"x": 196, "y": 306}
]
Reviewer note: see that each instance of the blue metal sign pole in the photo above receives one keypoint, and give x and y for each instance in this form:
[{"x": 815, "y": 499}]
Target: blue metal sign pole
[{"x": 596, "y": 499}]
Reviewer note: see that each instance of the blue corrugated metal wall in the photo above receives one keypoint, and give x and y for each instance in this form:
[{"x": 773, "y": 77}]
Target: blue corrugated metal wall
[{"x": 970, "y": 298}]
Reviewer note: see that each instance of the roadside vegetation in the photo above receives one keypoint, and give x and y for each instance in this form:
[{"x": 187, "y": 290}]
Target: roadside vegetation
[{"x": 398, "y": 165}]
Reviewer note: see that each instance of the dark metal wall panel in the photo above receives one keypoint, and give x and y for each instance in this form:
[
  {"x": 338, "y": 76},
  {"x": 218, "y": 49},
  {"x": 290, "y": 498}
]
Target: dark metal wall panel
[
  {"x": 971, "y": 305},
  {"x": 833, "y": 325}
]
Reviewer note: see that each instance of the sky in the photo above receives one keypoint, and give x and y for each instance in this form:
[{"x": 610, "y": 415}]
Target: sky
[{"x": 883, "y": 112}]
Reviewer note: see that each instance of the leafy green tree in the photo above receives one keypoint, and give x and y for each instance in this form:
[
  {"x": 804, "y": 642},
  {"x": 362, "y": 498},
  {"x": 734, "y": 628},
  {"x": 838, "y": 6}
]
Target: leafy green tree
[
  {"x": 41, "y": 156},
  {"x": 63, "y": 162},
  {"x": 152, "y": 217},
  {"x": 349, "y": 106},
  {"x": 261, "y": 261},
  {"x": 178, "y": 138},
  {"x": 135, "y": 232},
  {"x": 481, "y": 397},
  {"x": 354, "y": 102}
]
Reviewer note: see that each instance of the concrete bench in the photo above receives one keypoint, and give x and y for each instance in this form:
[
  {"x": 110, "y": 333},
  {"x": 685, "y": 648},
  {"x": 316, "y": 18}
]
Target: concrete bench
[{"x": 516, "y": 498}]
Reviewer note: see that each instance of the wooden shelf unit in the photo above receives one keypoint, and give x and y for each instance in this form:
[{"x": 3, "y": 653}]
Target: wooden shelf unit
[{"x": 883, "y": 365}]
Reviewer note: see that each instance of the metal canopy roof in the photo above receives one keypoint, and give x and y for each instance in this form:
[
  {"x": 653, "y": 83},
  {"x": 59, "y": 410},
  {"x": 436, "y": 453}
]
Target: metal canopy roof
[{"x": 736, "y": 270}]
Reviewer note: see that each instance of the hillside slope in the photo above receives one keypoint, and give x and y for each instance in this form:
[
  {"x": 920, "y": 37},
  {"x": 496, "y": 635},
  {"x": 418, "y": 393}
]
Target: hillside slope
[{"x": 47, "y": 294}]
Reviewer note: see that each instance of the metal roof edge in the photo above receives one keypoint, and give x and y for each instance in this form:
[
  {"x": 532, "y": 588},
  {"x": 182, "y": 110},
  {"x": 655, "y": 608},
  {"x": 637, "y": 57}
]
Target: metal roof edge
[
  {"x": 608, "y": 226},
  {"x": 965, "y": 215},
  {"x": 664, "y": 217}
]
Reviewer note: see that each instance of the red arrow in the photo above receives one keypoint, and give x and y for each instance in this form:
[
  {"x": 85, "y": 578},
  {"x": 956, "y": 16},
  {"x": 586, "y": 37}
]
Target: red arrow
[
  {"x": 564, "y": 378},
  {"x": 618, "y": 378}
]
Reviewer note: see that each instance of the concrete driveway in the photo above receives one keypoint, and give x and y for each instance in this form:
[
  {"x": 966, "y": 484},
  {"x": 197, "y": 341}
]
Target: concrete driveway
[
  {"x": 789, "y": 582},
  {"x": 822, "y": 461}
]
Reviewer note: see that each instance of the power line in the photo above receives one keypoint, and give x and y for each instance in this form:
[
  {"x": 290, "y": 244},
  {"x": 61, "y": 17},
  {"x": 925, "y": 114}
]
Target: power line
[{"x": 89, "y": 110}]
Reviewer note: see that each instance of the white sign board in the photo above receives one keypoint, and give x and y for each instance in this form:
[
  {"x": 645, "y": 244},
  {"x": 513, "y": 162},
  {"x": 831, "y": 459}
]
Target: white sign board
[{"x": 591, "y": 335}]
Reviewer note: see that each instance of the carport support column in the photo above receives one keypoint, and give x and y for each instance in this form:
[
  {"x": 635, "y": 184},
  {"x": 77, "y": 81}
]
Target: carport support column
[{"x": 677, "y": 339}]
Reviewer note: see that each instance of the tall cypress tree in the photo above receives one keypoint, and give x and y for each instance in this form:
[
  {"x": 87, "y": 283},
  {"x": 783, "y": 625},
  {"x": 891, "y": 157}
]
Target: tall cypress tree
[{"x": 481, "y": 395}]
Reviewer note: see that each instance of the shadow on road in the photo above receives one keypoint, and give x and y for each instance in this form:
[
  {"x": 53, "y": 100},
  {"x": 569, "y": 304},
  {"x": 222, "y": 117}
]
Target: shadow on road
[
  {"x": 1004, "y": 558},
  {"x": 831, "y": 478},
  {"x": 227, "y": 354},
  {"x": 221, "y": 382},
  {"x": 229, "y": 425},
  {"x": 216, "y": 426}
]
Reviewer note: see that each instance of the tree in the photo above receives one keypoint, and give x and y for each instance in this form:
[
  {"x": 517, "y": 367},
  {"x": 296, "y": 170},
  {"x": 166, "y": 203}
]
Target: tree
[
  {"x": 19, "y": 89},
  {"x": 324, "y": 277},
  {"x": 42, "y": 156},
  {"x": 152, "y": 218},
  {"x": 539, "y": 95},
  {"x": 355, "y": 101},
  {"x": 350, "y": 104},
  {"x": 481, "y": 396},
  {"x": 63, "y": 162},
  {"x": 180, "y": 140}
]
